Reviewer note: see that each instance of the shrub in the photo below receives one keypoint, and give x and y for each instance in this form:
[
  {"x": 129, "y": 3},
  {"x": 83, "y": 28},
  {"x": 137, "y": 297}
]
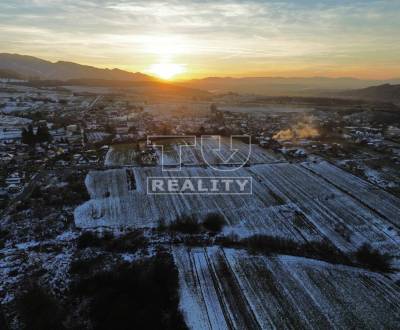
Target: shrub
[
  {"x": 143, "y": 295},
  {"x": 214, "y": 222},
  {"x": 4, "y": 233},
  {"x": 373, "y": 259},
  {"x": 88, "y": 239},
  {"x": 130, "y": 242},
  {"x": 36, "y": 193},
  {"x": 230, "y": 241},
  {"x": 3, "y": 322},
  {"x": 325, "y": 251},
  {"x": 186, "y": 224},
  {"x": 39, "y": 310},
  {"x": 266, "y": 245},
  {"x": 85, "y": 266},
  {"x": 127, "y": 243}
]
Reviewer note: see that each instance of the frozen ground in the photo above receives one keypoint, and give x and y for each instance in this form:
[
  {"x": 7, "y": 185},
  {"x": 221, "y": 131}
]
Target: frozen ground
[
  {"x": 229, "y": 289},
  {"x": 288, "y": 200},
  {"x": 122, "y": 155}
]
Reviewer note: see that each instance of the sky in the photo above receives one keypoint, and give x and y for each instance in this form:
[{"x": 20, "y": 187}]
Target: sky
[{"x": 211, "y": 38}]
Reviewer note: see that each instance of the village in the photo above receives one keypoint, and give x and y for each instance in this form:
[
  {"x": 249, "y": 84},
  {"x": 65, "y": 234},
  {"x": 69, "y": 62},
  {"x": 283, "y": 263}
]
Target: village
[
  {"x": 92, "y": 179},
  {"x": 81, "y": 127}
]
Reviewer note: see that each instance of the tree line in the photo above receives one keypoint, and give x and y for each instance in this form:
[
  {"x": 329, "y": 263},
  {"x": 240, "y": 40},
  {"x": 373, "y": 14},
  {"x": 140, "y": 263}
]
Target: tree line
[{"x": 29, "y": 137}]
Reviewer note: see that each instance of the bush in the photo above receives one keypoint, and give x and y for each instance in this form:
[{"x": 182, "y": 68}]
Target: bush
[
  {"x": 269, "y": 244},
  {"x": 127, "y": 243},
  {"x": 325, "y": 251},
  {"x": 143, "y": 295},
  {"x": 373, "y": 259},
  {"x": 84, "y": 266},
  {"x": 3, "y": 322},
  {"x": 266, "y": 245},
  {"x": 214, "y": 222},
  {"x": 4, "y": 233},
  {"x": 186, "y": 224},
  {"x": 230, "y": 241},
  {"x": 39, "y": 310},
  {"x": 88, "y": 239},
  {"x": 130, "y": 242}
]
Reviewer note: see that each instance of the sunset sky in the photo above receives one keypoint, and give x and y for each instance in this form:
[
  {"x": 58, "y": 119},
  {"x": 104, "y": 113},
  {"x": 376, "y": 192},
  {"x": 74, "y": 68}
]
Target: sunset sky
[{"x": 211, "y": 38}]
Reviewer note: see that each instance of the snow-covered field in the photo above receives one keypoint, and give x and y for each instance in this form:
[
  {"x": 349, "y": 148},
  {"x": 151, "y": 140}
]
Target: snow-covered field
[
  {"x": 288, "y": 200},
  {"x": 377, "y": 199},
  {"x": 229, "y": 289},
  {"x": 213, "y": 151},
  {"x": 95, "y": 137}
]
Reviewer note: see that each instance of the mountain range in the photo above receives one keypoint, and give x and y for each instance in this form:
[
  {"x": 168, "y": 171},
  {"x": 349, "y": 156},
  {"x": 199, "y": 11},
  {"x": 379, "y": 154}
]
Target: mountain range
[
  {"x": 29, "y": 67},
  {"x": 385, "y": 93},
  {"x": 281, "y": 86},
  {"x": 33, "y": 68}
]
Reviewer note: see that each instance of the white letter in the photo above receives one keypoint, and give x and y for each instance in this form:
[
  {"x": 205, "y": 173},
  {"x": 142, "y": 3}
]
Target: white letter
[
  {"x": 227, "y": 183},
  {"x": 242, "y": 184},
  {"x": 172, "y": 185},
  {"x": 200, "y": 187},
  {"x": 214, "y": 185},
  {"x": 187, "y": 185},
  {"x": 157, "y": 184}
]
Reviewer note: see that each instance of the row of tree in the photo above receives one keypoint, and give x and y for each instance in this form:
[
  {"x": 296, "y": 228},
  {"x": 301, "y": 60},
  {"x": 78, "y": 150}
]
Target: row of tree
[{"x": 42, "y": 135}]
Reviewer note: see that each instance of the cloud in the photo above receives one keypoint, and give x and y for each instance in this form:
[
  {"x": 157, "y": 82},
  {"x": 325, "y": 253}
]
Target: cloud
[{"x": 215, "y": 32}]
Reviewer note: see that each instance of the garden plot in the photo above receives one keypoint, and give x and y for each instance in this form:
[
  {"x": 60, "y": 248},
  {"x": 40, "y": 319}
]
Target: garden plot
[
  {"x": 346, "y": 221},
  {"x": 118, "y": 201},
  {"x": 229, "y": 289},
  {"x": 121, "y": 155},
  {"x": 212, "y": 152},
  {"x": 377, "y": 199},
  {"x": 287, "y": 201}
]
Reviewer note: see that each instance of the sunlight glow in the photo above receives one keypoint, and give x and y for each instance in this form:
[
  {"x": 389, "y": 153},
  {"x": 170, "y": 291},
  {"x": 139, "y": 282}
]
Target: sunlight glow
[{"x": 166, "y": 70}]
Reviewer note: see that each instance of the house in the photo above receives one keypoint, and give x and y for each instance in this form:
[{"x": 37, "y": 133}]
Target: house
[{"x": 14, "y": 179}]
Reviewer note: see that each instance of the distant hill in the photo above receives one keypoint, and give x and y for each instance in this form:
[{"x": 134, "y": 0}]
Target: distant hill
[
  {"x": 29, "y": 67},
  {"x": 280, "y": 86},
  {"x": 9, "y": 74},
  {"x": 386, "y": 93},
  {"x": 154, "y": 87}
]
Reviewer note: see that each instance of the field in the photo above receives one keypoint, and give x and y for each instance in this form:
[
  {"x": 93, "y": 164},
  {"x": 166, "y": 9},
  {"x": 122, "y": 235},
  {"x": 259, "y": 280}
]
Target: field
[
  {"x": 225, "y": 288},
  {"x": 288, "y": 200},
  {"x": 126, "y": 154},
  {"x": 377, "y": 199},
  {"x": 229, "y": 289}
]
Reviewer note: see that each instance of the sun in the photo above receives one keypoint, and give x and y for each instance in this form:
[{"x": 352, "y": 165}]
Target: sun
[{"x": 166, "y": 71}]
